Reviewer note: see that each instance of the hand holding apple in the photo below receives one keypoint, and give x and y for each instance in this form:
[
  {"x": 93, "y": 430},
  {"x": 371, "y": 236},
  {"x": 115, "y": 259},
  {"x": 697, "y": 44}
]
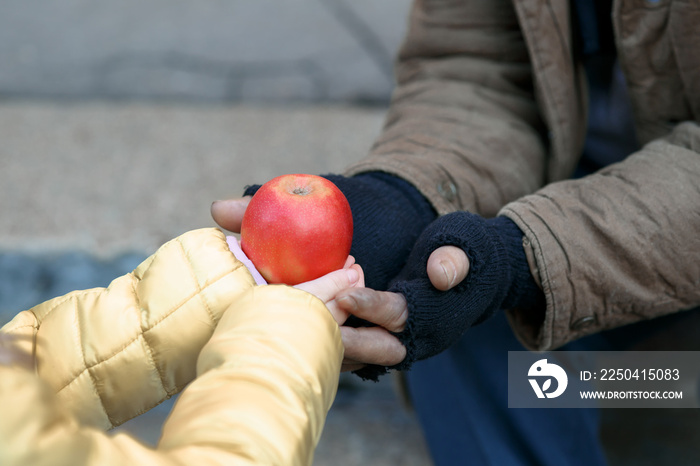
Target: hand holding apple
[
  {"x": 329, "y": 286},
  {"x": 297, "y": 228}
]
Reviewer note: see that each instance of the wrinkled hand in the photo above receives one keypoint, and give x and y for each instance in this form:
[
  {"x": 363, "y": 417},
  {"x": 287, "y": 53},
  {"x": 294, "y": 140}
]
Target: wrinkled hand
[
  {"x": 498, "y": 278},
  {"x": 447, "y": 266},
  {"x": 228, "y": 214}
]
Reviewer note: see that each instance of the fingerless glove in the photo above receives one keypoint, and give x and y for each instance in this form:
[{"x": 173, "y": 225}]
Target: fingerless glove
[{"x": 499, "y": 278}]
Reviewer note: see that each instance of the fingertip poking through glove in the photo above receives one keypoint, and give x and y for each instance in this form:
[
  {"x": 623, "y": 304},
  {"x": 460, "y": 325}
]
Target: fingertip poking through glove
[{"x": 499, "y": 278}]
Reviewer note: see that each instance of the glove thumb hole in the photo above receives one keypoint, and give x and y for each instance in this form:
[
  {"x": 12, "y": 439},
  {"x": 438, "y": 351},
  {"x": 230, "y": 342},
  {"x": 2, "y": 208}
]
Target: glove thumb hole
[{"x": 447, "y": 267}]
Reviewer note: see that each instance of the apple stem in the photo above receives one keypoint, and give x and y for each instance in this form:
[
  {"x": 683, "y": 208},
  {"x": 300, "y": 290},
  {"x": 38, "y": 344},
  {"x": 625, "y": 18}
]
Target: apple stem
[{"x": 302, "y": 191}]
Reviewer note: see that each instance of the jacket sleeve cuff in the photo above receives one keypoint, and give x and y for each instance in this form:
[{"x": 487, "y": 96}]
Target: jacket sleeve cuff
[{"x": 559, "y": 322}]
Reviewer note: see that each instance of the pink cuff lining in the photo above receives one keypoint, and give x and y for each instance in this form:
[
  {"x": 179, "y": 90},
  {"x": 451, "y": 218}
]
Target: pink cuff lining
[{"x": 240, "y": 255}]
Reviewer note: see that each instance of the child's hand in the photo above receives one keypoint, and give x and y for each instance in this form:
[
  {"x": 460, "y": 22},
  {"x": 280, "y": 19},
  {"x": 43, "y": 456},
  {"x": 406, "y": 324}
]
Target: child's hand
[
  {"x": 235, "y": 248},
  {"x": 327, "y": 287}
]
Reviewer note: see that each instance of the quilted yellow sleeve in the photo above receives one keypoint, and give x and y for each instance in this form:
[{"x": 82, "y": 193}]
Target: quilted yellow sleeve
[
  {"x": 113, "y": 353},
  {"x": 265, "y": 382}
]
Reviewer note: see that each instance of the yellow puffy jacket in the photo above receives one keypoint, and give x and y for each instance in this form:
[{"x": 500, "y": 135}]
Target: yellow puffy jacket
[{"x": 263, "y": 362}]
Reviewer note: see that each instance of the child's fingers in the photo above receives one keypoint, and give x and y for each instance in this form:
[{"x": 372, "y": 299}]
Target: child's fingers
[
  {"x": 326, "y": 287},
  {"x": 349, "y": 261},
  {"x": 361, "y": 282}
]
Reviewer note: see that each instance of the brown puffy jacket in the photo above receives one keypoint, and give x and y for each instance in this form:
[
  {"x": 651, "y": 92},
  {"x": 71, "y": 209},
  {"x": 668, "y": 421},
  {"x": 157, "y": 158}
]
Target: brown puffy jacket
[
  {"x": 490, "y": 116},
  {"x": 262, "y": 364}
]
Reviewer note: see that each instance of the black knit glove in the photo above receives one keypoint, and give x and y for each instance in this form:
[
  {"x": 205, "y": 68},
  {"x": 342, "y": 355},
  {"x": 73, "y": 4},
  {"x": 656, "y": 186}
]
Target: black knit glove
[
  {"x": 499, "y": 278},
  {"x": 388, "y": 216}
]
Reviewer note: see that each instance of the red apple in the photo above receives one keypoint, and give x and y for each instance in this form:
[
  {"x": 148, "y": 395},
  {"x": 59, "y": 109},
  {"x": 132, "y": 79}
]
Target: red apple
[{"x": 297, "y": 228}]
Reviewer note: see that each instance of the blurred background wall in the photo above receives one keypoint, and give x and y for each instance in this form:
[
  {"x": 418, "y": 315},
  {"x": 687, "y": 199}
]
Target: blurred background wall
[
  {"x": 120, "y": 123},
  {"x": 212, "y": 51}
]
